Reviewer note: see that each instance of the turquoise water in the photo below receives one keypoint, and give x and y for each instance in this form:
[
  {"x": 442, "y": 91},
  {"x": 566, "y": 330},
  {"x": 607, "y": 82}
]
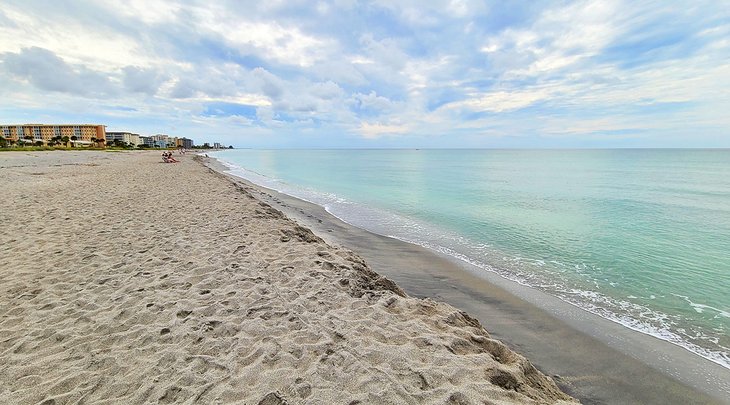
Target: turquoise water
[{"x": 641, "y": 237}]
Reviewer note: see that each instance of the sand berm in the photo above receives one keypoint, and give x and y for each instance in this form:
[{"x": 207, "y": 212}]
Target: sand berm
[{"x": 127, "y": 280}]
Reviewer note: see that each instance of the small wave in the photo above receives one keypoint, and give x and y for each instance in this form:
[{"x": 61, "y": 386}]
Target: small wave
[
  {"x": 701, "y": 308},
  {"x": 648, "y": 322}
]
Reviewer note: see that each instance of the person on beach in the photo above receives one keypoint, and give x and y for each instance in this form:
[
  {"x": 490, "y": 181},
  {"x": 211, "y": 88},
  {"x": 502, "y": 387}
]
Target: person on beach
[{"x": 167, "y": 158}]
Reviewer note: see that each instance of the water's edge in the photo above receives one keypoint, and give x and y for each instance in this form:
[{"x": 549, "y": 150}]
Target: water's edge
[
  {"x": 654, "y": 351},
  {"x": 627, "y": 322}
]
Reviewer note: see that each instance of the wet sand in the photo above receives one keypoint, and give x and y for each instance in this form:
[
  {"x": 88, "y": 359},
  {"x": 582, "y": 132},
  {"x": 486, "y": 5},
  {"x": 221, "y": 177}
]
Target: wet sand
[{"x": 593, "y": 359}]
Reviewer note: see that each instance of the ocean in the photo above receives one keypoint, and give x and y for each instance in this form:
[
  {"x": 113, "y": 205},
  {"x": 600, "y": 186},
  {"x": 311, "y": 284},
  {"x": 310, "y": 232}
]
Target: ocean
[{"x": 637, "y": 236}]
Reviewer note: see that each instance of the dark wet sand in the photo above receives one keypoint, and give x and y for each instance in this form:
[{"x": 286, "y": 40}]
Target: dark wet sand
[{"x": 593, "y": 359}]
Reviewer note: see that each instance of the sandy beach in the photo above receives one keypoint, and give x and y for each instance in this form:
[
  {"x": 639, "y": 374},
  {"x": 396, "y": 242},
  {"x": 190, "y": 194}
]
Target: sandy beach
[{"x": 127, "y": 280}]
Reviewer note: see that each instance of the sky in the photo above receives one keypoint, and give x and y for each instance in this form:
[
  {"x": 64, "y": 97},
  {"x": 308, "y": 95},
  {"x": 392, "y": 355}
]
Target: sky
[{"x": 380, "y": 74}]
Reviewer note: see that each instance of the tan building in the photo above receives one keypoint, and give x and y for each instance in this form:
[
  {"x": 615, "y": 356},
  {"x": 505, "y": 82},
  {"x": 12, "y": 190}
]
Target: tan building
[
  {"x": 184, "y": 143},
  {"x": 126, "y": 137},
  {"x": 31, "y": 133},
  {"x": 164, "y": 141}
]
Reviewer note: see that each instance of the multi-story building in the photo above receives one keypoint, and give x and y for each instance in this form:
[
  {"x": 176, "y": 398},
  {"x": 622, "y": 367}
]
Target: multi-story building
[
  {"x": 126, "y": 137},
  {"x": 12, "y": 132},
  {"x": 147, "y": 141},
  {"x": 184, "y": 143},
  {"x": 160, "y": 141},
  {"x": 217, "y": 145},
  {"x": 84, "y": 134},
  {"x": 167, "y": 141}
]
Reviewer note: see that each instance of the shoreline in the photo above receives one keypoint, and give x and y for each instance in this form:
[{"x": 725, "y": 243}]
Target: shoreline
[
  {"x": 120, "y": 285},
  {"x": 652, "y": 321},
  {"x": 597, "y": 360}
]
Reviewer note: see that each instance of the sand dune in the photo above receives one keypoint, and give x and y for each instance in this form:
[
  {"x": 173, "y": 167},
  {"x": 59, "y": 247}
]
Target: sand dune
[{"x": 126, "y": 280}]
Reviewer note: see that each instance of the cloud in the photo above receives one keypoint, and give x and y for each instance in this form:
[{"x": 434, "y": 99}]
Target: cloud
[
  {"x": 374, "y": 130},
  {"x": 378, "y": 71},
  {"x": 343, "y": 72},
  {"x": 502, "y": 100},
  {"x": 371, "y": 102},
  {"x": 6, "y": 21},
  {"x": 283, "y": 43},
  {"x": 268, "y": 83},
  {"x": 46, "y": 71},
  {"x": 218, "y": 109},
  {"x": 183, "y": 88},
  {"x": 141, "y": 80},
  {"x": 147, "y": 11},
  {"x": 79, "y": 32},
  {"x": 383, "y": 52},
  {"x": 326, "y": 90}
]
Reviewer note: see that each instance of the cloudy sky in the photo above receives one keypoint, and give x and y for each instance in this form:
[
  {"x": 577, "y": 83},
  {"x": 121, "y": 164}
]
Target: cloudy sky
[{"x": 389, "y": 73}]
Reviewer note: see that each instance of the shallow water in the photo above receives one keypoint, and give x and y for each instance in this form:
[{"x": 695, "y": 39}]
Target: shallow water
[{"x": 641, "y": 237}]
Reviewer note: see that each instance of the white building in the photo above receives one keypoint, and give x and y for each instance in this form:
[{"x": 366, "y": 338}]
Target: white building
[
  {"x": 164, "y": 141},
  {"x": 126, "y": 137},
  {"x": 147, "y": 141}
]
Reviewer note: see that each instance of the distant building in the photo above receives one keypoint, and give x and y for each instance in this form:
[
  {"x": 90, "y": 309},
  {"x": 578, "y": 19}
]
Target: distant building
[
  {"x": 167, "y": 141},
  {"x": 161, "y": 141},
  {"x": 185, "y": 143},
  {"x": 87, "y": 134},
  {"x": 217, "y": 145},
  {"x": 83, "y": 134},
  {"x": 126, "y": 137},
  {"x": 147, "y": 141}
]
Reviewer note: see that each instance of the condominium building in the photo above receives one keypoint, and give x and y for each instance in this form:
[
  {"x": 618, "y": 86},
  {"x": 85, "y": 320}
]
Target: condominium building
[
  {"x": 84, "y": 134},
  {"x": 184, "y": 143},
  {"x": 126, "y": 137},
  {"x": 167, "y": 141},
  {"x": 161, "y": 141},
  {"x": 147, "y": 141}
]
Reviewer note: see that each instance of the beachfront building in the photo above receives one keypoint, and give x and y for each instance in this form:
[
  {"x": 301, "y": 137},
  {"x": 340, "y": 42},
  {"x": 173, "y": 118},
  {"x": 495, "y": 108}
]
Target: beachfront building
[
  {"x": 184, "y": 143},
  {"x": 147, "y": 141},
  {"x": 78, "y": 134},
  {"x": 162, "y": 141},
  {"x": 167, "y": 141},
  {"x": 126, "y": 137}
]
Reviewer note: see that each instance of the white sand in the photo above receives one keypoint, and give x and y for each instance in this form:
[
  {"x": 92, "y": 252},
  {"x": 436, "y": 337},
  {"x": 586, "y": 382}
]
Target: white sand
[{"x": 126, "y": 280}]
